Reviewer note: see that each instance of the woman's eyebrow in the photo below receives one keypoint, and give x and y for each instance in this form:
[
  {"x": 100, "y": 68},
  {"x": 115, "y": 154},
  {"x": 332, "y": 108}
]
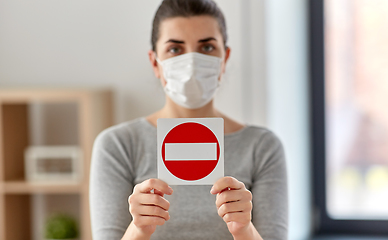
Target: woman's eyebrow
[
  {"x": 175, "y": 41},
  {"x": 207, "y": 39}
]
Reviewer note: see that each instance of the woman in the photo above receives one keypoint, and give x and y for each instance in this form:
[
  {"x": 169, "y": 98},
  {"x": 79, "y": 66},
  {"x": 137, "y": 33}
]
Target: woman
[{"x": 188, "y": 55}]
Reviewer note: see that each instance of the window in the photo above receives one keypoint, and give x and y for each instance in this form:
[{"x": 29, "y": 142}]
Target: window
[{"x": 349, "y": 86}]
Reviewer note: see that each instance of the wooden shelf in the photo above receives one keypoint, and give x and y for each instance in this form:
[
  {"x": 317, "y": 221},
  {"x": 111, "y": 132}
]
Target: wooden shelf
[
  {"x": 23, "y": 187},
  {"x": 93, "y": 113}
]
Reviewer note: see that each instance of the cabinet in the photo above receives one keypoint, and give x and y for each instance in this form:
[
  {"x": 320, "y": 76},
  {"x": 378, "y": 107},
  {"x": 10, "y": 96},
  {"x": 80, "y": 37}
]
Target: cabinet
[{"x": 93, "y": 114}]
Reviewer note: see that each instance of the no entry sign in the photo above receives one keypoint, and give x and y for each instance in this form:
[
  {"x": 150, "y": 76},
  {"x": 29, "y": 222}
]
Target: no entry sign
[{"x": 190, "y": 150}]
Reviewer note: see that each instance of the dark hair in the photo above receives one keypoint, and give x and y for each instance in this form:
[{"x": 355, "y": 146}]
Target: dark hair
[{"x": 186, "y": 8}]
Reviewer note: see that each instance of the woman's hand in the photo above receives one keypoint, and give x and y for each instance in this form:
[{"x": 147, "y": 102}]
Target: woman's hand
[
  {"x": 148, "y": 208},
  {"x": 234, "y": 204}
]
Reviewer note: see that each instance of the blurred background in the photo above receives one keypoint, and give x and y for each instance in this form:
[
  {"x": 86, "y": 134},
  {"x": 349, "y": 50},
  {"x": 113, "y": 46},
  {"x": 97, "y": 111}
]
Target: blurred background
[
  {"x": 62, "y": 45},
  {"x": 357, "y": 101}
]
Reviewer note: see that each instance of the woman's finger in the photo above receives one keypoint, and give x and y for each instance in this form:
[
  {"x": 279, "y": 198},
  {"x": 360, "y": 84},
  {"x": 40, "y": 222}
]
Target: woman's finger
[
  {"x": 234, "y": 207},
  {"x": 149, "y": 199},
  {"x": 153, "y": 211},
  {"x": 153, "y": 183},
  {"x": 225, "y": 183},
  {"x": 233, "y": 196},
  {"x": 240, "y": 217},
  {"x": 142, "y": 221},
  {"x": 156, "y": 191},
  {"x": 228, "y": 196}
]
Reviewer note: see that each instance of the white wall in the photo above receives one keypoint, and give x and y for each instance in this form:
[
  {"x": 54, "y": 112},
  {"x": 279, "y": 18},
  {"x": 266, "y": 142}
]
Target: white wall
[
  {"x": 84, "y": 43},
  {"x": 46, "y": 43},
  {"x": 287, "y": 115}
]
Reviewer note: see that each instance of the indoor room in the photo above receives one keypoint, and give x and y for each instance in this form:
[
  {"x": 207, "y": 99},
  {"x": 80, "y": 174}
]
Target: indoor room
[{"x": 194, "y": 119}]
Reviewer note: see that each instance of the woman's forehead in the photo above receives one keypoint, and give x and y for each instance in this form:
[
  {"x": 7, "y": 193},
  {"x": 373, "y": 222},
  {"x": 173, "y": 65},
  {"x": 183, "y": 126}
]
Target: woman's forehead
[{"x": 196, "y": 27}]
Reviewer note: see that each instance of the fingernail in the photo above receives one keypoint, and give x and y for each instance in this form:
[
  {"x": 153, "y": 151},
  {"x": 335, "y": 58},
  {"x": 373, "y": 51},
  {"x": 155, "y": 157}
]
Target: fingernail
[
  {"x": 170, "y": 190},
  {"x": 212, "y": 191}
]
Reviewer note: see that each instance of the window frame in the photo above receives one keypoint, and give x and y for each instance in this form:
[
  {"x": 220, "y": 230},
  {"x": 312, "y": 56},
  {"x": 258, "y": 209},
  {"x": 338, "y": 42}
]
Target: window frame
[{"x": 323, "y": 224}]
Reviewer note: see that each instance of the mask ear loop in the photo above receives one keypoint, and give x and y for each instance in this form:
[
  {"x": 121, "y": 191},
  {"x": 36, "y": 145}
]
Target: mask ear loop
[
  {"x": 160, "y": 62},
  {"x": 219, "y": 82},
  {"x": 157, "y": 59}
]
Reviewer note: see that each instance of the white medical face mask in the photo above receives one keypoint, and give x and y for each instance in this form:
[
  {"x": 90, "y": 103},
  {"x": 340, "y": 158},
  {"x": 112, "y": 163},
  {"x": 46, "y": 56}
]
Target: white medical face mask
[{"x": 192, "y": 78}]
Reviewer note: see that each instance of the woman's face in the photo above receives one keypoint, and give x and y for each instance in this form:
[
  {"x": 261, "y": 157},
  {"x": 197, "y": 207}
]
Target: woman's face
[{"x": 180, "y": 35}]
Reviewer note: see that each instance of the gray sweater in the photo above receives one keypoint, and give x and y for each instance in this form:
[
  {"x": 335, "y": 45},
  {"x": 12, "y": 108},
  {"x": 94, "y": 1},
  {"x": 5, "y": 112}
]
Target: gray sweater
[{"x": 125, "y": 155}]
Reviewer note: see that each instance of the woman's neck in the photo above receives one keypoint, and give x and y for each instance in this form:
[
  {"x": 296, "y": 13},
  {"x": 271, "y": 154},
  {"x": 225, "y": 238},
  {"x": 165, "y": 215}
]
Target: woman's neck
[{"x": 172, "y": 110}]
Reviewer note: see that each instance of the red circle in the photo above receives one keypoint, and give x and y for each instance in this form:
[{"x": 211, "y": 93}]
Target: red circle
[{"x": 190, "y": 132}]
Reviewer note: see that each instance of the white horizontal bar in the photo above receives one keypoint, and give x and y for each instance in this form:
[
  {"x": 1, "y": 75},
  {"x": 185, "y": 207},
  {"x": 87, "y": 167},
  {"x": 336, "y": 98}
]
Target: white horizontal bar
[{"x": 190, "y": 151}]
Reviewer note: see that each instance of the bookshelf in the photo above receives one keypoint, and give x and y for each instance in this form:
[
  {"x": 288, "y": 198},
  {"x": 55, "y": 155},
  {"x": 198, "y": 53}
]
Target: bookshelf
[{"x": 94, "y": 113}]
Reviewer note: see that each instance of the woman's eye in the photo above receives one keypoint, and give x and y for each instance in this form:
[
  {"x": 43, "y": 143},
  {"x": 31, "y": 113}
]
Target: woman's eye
[
  {"x": 207, "y": 48},
  {"x": 174, "y": 50}
]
